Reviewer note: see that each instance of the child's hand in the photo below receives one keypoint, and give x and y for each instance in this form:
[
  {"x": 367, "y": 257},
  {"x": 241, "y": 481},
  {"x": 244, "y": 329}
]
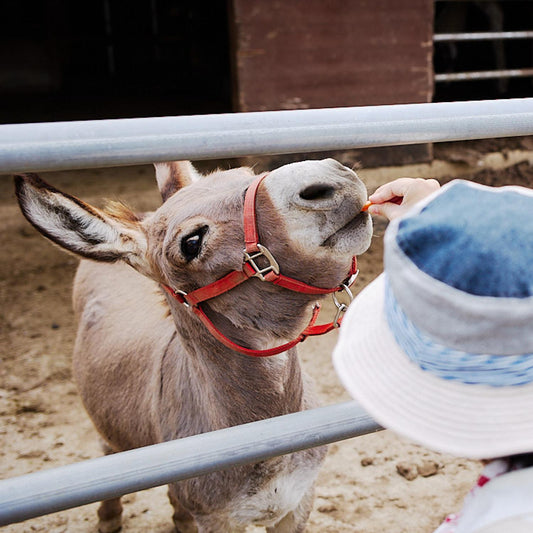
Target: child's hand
[{"x": 395, "y": 198}]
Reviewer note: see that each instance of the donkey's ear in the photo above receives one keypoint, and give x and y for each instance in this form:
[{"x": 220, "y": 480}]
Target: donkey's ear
[
  {"x": 79, "y": 227},
  {"x": 174, "y": 175}
]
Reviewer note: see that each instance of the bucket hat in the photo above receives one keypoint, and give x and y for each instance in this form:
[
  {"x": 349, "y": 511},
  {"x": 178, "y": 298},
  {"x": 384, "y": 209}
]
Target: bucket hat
[{"x": 439, "y": 348}]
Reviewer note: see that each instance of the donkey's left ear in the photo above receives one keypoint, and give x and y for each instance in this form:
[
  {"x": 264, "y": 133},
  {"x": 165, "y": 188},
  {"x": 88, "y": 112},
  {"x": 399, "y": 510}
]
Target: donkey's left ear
[
  {"x": 173, "y": 175},
  {"x": 103, "y": 235}
]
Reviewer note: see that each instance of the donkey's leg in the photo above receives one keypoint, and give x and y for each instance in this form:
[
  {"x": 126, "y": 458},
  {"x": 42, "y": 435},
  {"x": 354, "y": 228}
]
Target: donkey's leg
[
  {"x": 110, "y": 516},
  {"x": 183, "y": 520},
  {"x": 295, "y": 521},
  {"x": 110, "y": 511}
]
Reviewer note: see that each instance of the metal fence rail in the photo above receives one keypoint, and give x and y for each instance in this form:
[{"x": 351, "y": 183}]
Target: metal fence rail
[
  {"x": 482, "y": 36},
  {"x": 484, "y": 74},
  {"x": 101, "y": 143},
  {"x": 89, "y": 481}
]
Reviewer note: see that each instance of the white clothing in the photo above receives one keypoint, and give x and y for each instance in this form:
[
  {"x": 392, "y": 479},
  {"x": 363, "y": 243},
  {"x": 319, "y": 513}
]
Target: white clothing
[{"x": 500, "y": 502}]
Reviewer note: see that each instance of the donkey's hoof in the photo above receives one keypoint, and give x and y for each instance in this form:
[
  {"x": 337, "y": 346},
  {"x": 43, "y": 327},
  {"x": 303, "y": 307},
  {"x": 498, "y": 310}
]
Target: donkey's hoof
[{"x": 110, "y": 526}]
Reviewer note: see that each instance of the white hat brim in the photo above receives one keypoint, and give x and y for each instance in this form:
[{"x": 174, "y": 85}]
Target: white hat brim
[{"x": 476, "y": 421}]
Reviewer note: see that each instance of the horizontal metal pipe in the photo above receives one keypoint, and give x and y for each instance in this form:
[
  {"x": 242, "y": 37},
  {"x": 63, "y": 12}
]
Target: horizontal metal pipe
[
  {"x": 482, "y": 36},
  {"x": 98, "y": 479},
  {"x": 484, "y": 75},
  {"x": 102, "y": 143}
]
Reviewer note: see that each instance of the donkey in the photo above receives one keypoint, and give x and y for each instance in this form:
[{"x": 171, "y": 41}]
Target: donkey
[{"x": 165, "y": 351}]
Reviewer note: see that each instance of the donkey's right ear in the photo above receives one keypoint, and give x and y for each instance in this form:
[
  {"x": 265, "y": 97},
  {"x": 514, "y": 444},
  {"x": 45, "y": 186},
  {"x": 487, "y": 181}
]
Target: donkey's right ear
[
  {"x": 79, "y": 227},
  {"x": 174, "y": 175}
]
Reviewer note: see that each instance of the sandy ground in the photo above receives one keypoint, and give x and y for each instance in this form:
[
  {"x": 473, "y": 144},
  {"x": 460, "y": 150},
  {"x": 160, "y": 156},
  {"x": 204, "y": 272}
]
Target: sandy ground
[{"x": 370, "y": 484}]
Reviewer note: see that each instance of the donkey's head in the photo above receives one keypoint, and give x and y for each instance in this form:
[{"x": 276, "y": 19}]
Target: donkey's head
[{"x": 308, "y": 216}]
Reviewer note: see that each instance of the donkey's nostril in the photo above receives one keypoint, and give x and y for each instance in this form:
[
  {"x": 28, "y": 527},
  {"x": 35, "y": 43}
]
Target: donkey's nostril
[{"x": 318, "y": 191}]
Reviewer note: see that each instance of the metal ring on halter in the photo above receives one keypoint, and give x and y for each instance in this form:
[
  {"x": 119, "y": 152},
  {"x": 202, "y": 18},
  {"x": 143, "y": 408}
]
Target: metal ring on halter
[
  {"x": 351, "y": 280},
  {"x": 342, "y": 307},
  {"x": 184, "y": 295}
]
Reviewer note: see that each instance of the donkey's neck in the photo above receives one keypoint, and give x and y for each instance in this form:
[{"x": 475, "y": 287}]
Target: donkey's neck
[{"x": 231, "y": 388}]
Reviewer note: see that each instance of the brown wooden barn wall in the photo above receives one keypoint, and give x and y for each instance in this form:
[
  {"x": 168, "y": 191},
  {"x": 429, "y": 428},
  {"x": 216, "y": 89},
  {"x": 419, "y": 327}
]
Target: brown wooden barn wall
[{"x": 299, "y": 54}]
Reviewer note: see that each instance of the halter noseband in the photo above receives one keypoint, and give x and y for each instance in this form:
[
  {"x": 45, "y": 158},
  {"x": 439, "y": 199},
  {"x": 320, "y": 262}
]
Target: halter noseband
[{"x": 252, "y": 252}]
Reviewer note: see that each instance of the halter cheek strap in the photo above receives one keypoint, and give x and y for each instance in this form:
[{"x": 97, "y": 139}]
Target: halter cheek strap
[{"x": 271, "y": 273}]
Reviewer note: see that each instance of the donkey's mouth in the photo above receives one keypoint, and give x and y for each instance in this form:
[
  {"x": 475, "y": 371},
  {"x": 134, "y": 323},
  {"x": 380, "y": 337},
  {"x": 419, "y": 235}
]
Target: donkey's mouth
[{"x": 353, "y": 229}]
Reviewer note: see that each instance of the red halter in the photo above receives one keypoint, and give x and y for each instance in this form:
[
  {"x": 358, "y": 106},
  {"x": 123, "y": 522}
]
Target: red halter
[{"x": 250, "y": 269}]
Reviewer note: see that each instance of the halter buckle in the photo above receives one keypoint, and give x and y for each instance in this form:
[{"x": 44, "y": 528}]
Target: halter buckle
[
  {"x": 250, "y": 258},
  {"x": 342, "y": 307}
]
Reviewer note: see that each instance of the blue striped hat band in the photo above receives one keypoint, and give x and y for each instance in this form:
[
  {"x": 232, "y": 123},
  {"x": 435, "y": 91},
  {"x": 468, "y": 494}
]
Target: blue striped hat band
[{"x": 452, "y": 364}]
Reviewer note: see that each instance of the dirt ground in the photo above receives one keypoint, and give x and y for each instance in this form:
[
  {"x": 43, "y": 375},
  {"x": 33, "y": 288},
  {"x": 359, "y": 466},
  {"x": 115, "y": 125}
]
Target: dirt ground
[{"x": 371, "y": 484}]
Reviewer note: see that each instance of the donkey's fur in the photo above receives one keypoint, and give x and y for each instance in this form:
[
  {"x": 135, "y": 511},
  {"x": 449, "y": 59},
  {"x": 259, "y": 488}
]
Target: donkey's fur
[{"x": 146, "y": 368}]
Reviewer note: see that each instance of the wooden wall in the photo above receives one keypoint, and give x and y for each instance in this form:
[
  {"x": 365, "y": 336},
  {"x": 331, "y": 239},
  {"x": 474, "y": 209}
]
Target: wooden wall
[{"x": 300, "y": 54}]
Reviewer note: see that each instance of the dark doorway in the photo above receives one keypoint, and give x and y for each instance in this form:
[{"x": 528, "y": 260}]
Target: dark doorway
[
  {"x": 62, "y": 60},
  {"x": 483, "y": 55}
]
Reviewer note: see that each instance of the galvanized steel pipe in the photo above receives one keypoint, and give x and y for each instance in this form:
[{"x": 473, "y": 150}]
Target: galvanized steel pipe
[
  {"x": 89, "y": 481},
  {"x": 104, "y": 143},
  {"x": 484, "y": 75},
  {"x": 481, "y": 36}
]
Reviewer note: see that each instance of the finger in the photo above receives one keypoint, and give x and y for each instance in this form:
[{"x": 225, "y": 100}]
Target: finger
[
  {"x": 387, "y": 210},
  {"x": 398, "y": 187}
]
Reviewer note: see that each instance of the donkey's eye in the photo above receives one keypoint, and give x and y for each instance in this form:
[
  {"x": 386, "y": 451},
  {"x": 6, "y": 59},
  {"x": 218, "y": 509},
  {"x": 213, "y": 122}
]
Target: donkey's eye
[{"x": 191, "y": 244}]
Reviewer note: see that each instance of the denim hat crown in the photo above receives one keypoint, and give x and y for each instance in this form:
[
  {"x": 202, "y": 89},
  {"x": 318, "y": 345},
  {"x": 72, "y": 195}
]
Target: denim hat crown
[
  {"x": 471, "y": 239},
  {"x": 460, "y": 285}
]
